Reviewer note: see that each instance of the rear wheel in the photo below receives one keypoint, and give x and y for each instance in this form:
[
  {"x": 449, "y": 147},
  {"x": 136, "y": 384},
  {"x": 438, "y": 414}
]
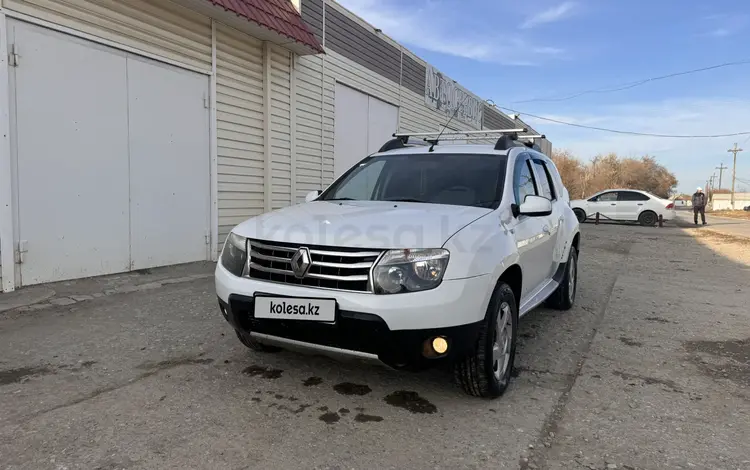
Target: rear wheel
[
  {"x": 647, "y": 219},
  {"x": 580, "y": 215},
  {"x": 565, "y": 295},
  {"x": 487, "y": 370},
  {"x": 251, "y": 343}
]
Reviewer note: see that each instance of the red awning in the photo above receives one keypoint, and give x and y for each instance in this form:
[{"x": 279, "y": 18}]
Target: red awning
[{"x": 277, "y": 15}]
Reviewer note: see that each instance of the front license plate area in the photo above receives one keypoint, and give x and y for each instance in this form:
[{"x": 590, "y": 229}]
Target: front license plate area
[{"x": 295, "y": 308}]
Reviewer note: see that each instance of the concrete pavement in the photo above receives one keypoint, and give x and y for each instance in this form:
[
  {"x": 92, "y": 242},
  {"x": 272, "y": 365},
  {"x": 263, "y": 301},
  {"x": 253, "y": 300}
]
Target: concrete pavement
[
  {"x": 649, "y": 370},
  {"x": 724, "y": 225}
]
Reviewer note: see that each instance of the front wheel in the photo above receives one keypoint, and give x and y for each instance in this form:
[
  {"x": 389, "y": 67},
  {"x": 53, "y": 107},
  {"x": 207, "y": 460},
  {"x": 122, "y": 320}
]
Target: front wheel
[{"x": 486, "y": 371}]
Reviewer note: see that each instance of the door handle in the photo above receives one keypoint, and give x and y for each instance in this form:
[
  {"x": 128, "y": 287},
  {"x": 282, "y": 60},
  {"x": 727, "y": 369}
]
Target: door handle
[
  {"x": 640, "y": 203},
  {"x": 613, "y": 204}
]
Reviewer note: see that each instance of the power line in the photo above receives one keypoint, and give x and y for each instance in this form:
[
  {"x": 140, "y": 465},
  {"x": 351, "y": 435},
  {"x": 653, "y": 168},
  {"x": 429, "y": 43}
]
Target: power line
[
  {"x": 630, "y": 85},
  {"x": 617, "y": 131}
]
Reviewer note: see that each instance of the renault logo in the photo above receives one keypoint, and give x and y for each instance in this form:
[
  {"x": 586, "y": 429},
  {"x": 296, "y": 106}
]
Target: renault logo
[{"x": 301, "y": 262}]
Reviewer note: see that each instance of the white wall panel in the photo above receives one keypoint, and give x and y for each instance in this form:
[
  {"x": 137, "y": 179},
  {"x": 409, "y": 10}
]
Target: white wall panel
[
  {"x": 240, "y": 115},
  {"x": 351, "y": 128},
  {"x": 281, "y": 136},
  {"x": 72, "y": 159},
  {"x": 169, "y": 164},
  {"x": 158, "y": 27},
  {"x": 309, "y": 125},
  {"x": 382, "y": 123}
]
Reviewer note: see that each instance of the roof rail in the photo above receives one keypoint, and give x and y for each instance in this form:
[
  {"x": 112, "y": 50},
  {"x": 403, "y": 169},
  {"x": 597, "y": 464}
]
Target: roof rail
[
  {"x": 509, "y": 138},
  {"x": 397, "y": 143},
  {"x": 506, "y": 142},
  {"x": 460, "y": 133}
]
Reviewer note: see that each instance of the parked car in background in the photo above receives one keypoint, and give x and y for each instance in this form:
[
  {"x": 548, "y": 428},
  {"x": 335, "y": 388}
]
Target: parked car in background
[
  {"x": 624, "y": 205},
  {"x": 746, "y": 208}
]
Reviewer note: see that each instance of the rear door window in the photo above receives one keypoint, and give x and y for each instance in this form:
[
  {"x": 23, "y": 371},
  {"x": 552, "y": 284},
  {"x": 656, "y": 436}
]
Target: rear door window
[
  {"x": 546, "y": 185},
  {"x": 607, "y": 197},
  {"x": 632, "y": 196}
]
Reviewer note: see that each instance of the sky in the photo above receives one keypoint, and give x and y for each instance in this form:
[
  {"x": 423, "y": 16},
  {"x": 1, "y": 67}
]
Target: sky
[{"x": 518, "y": 52}]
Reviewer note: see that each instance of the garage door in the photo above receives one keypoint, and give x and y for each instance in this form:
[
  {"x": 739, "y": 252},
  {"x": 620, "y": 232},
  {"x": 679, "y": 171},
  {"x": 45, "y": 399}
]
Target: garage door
[
  {"x": 111, "y": 159},
  {"x": 363, "y": 124}
]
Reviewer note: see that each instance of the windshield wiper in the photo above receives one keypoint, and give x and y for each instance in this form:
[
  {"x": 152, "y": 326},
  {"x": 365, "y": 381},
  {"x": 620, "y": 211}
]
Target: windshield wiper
[
  {"x": 340, "y": 199},
  {"x": 484, "y": 203},
  {"x": 405, "y": 199}
]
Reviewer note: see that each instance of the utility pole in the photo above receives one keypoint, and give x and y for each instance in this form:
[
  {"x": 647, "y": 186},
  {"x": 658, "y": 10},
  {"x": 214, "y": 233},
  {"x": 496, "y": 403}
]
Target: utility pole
[
  {"x": 735, "y": 151},
  {"x": 721, "y": 172}
]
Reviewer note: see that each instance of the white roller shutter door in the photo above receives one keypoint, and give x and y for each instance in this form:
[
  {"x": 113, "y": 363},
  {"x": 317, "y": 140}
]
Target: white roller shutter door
[
  {"x": 363, "y": 124},
  {"x": 111, "y": 161}
]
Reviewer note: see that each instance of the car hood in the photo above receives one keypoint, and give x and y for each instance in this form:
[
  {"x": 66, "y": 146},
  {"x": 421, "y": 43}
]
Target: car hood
[{"x": 365, "y": 224}]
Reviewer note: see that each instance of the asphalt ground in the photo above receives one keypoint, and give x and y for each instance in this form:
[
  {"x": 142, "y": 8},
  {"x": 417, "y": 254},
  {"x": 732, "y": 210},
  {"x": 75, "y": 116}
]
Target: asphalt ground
[{"x": 650, "y": 369}]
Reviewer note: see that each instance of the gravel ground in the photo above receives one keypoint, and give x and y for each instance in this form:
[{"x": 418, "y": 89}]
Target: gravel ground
[{"x": 651, "y": 369}]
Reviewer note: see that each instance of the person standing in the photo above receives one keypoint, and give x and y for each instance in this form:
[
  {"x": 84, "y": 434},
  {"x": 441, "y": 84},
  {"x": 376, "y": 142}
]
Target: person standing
[{"x": 699, "y": 206}]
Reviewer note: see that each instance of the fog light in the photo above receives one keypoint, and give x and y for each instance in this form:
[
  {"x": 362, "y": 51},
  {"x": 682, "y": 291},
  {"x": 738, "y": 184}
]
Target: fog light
[{"x": 439, "y": 345}]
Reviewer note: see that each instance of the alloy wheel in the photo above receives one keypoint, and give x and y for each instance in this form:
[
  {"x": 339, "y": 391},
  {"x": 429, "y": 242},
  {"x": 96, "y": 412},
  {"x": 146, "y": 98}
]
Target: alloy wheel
[{"x": 502, "y": 344}]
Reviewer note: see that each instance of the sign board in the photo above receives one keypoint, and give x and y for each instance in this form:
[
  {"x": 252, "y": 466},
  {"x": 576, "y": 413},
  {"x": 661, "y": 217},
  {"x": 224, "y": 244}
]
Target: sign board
[{"x": 445, "y": 95}]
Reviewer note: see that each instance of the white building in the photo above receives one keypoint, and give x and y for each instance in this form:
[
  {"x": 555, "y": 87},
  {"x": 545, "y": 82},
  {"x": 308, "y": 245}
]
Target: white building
[
  {"x": 136, "y": 133},
  {"x": 722, "y": 202}
]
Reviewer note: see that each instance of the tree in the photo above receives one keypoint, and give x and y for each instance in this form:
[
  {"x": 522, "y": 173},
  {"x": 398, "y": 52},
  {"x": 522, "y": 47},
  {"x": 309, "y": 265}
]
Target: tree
[
  {"x": 611, "y": 171},
  {"x": 571, "y": 171}
]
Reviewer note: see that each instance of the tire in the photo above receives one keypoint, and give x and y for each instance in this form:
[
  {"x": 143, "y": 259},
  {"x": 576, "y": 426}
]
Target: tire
[
  {"x": 482, "y": 373},
  {"x": 647, "y": 218},
  {"x": 580, "y": 215},
  {"x": 248, "y": 341},
  {"x": 565, "y": 295}
]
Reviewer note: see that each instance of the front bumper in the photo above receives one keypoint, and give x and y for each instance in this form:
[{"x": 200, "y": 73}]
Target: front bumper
[
  {"x": 453, "y": 303},
  {"x": 390, "y": 328},
  {"x": 355, "y": 334}
]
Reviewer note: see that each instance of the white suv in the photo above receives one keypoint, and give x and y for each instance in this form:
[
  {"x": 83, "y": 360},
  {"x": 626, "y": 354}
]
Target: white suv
[{"x": 415, "y": 256}]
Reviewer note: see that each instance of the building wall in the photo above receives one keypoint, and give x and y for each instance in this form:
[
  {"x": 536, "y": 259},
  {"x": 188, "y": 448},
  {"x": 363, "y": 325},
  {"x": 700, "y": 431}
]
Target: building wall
[
  {"x": 722, "y": 202},
  {"x": 310, "y": 148},
  {"x": 157, "y": 27},
  {"x": 239, "y": 128},
  {"x": 274, "y": 128},
  {"x": 361, "y": 58}
]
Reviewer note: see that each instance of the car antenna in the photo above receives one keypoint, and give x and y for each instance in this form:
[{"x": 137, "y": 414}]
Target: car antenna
[{"x": 433, "y": 142}]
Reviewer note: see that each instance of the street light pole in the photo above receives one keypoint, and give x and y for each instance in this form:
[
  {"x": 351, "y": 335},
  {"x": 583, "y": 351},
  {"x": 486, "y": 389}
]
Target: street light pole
[
  {"x": 721, "y": 172},
  {"x": 734, "y": 150}
]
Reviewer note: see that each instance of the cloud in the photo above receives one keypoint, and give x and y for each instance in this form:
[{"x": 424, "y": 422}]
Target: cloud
[
  {"x": 446, "y": 34},
  {"x": 726, "y": 25},
  {"x": 692, "y": 160},
  {"x": 720, "y": 32},
  {"x": 550, "y": 15}
]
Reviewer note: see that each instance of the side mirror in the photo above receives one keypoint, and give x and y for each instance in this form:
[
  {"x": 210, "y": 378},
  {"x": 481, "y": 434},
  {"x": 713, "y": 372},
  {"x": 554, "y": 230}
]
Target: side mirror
[
  {"x": 312, "y": 195},
  {"x": 535, "y": 206}
]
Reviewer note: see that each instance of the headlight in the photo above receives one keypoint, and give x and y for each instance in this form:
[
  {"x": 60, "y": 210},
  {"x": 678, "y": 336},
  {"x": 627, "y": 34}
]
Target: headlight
[
  {"x": 409, "y": 270},
  {"x": 234, "y": 254}
]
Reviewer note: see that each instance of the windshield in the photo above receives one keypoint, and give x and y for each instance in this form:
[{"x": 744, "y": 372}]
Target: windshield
[{"x": 454, "y": 179}]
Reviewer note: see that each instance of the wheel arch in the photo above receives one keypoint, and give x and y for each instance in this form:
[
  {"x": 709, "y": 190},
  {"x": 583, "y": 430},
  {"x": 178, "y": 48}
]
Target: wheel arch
[
  {"x": 577, "y": 242},
  {"x": 570, "y": 233},
  {"x": 513, "y": 276}
]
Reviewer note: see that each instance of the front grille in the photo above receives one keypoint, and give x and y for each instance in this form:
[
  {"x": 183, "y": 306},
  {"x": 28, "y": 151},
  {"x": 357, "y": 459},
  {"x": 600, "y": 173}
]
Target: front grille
[{"x": 332, "y": 267}]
